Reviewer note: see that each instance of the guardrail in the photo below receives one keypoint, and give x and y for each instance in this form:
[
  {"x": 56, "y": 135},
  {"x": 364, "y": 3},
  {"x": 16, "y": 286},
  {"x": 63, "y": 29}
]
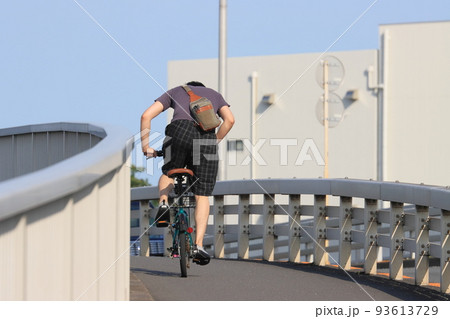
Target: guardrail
[
  {"x": 409, "y": 221},
  {"x": 64, "y": 212}
]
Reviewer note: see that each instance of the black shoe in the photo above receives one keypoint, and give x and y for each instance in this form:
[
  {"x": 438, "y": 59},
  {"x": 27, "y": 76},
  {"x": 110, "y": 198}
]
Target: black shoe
[
  {"x": 201, "y": 257},
  {"x": 163, "y": 215}
]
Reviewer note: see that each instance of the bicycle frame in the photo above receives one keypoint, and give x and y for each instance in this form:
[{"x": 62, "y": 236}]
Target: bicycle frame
[
  {"x": 182, "y": 243},
  {"x": 181, "y": 224}
]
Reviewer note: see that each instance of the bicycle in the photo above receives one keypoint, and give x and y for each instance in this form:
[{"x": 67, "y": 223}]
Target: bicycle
[{"x": 182, "y": 243}]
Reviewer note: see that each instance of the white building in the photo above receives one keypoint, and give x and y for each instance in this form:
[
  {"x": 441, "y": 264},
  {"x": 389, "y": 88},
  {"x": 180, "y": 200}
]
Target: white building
[{"x": 389, "y": 109}]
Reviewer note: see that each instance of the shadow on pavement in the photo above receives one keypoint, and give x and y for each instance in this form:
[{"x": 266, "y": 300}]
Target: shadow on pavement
[
  {"x": 399, "y": 289},
  {"x": 156, "y": 272}
]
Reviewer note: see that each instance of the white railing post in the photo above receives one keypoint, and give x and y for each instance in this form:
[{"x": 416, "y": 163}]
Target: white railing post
[
  {"x": 268, "y": 237},
  {"x": 422, "y": 246},
  {"x": 320, "y": 236},
  {"x": 168, "y": 233},
  {"x": 244, "y": 224},
  {"x": 144, "y": 212},
  {"x": 219, "y": 227},
  {"x": 396, "y": 241},
  {"x": 370, "y": 241},
  {"x": 294, "y": 228},
  {"x": 445, "y": 251},
  {"x": 345, "y": 237}
]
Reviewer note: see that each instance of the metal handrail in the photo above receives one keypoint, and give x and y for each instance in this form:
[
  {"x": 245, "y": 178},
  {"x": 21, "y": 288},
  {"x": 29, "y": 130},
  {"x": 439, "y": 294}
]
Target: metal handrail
[{"x": 404, "y": 225}]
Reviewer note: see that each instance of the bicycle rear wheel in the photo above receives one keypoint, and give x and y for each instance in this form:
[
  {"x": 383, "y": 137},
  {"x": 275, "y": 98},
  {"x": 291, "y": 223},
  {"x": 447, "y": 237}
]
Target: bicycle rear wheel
[{"x": 183, "y": 253}]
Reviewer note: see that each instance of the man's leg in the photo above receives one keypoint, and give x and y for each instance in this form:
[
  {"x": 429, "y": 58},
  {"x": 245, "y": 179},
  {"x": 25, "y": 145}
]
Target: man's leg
[
  {"x": 163, "y": 215},
  {"x": 165, "y": 186},
  {"x": 201, "y": 218}
]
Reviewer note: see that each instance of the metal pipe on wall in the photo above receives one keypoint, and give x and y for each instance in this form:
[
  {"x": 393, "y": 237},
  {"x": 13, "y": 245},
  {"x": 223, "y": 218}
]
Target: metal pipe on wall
[
  {"x": 254, "y": 92},
  {"x": 325, "y": 116},
  {"x": 382, "y": 103}
]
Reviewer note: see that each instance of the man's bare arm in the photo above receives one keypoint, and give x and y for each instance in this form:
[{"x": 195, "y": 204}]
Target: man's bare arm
[
  {"x": 154, "y": 110},
  {"x": 228, "y": 122}
]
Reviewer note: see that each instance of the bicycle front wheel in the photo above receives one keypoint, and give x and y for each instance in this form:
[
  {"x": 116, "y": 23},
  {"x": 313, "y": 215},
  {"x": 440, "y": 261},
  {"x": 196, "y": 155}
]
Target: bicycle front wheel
[{"x": 183, "y": 253}]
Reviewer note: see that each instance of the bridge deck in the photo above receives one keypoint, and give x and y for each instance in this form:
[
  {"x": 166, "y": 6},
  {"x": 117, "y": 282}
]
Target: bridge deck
[{"x": 239, "y": 280}]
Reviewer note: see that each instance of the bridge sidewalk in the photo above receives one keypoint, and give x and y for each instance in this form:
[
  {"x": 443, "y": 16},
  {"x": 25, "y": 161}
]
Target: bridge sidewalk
[
  {"x": 158, "y": 278},
  {"x": 138, "y": 291}
]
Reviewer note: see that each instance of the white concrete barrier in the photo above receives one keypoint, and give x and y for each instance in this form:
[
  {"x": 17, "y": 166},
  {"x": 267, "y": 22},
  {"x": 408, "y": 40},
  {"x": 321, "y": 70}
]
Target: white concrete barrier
[{"x": 64, "y": 212}]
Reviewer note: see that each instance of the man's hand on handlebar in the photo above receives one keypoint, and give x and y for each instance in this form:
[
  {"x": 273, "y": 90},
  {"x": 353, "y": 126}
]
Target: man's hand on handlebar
[{"x": 150, "y": 152}]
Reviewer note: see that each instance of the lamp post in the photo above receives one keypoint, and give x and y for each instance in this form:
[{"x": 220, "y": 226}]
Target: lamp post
[
  {"x": 222, "y": 46},
  {"x": 222, "y": 73}
]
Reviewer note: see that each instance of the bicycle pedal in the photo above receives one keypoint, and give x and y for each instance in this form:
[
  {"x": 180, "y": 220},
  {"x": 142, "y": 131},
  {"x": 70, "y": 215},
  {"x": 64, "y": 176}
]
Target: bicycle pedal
[
  {"x": 201, "y": 262},
  {"x": 162, "y": 224}
]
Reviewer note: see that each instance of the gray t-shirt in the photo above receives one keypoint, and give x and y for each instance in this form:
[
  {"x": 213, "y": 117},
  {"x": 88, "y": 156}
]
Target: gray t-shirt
[{"x": 178, "y": 99}]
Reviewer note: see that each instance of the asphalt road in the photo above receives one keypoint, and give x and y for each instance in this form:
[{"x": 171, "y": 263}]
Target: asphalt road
[{"x": 242, "y": 280}]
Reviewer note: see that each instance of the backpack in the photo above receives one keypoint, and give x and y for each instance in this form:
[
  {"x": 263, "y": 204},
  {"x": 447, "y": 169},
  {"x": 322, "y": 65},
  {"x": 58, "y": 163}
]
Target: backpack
[{"x": 202, "y": 111}]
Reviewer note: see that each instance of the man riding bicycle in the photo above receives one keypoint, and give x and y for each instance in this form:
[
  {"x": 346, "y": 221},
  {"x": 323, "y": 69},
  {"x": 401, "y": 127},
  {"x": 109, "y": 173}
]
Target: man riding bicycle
[{"x": 188, "y": 145}]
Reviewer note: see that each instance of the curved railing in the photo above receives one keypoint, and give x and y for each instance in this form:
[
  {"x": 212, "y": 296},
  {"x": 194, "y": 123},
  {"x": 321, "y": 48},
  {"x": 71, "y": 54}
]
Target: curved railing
[
  {"x": 64, "y": 212},
  {"x": 316, "y": 219}
]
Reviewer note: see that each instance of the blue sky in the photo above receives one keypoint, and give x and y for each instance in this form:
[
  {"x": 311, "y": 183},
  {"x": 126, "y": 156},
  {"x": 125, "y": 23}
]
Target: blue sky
[{"x": 57, "y": 64}]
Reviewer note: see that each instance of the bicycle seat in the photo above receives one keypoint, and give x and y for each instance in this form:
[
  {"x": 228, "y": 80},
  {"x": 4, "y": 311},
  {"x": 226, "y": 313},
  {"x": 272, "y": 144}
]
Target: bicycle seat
[{"x": 173, "y": 173}]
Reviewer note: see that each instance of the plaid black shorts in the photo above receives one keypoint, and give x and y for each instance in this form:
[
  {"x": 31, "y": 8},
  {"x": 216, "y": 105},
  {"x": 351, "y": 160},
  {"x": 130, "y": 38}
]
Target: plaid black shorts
[{"x": 186, "y": 145}]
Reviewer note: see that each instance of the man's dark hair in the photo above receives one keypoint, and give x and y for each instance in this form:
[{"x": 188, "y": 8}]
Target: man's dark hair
[{"x": 195, "y": 83}]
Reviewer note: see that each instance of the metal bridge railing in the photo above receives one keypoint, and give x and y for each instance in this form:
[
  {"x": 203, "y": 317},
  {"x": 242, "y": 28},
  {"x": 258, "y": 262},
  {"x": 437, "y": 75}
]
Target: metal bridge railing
[
  {"x": 64, "y": 212},
  {"x": 313, "y": 219}
]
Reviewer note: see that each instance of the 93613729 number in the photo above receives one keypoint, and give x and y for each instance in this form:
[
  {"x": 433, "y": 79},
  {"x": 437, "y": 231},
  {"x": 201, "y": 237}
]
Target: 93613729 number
[{"x": 406, "y": 310}]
